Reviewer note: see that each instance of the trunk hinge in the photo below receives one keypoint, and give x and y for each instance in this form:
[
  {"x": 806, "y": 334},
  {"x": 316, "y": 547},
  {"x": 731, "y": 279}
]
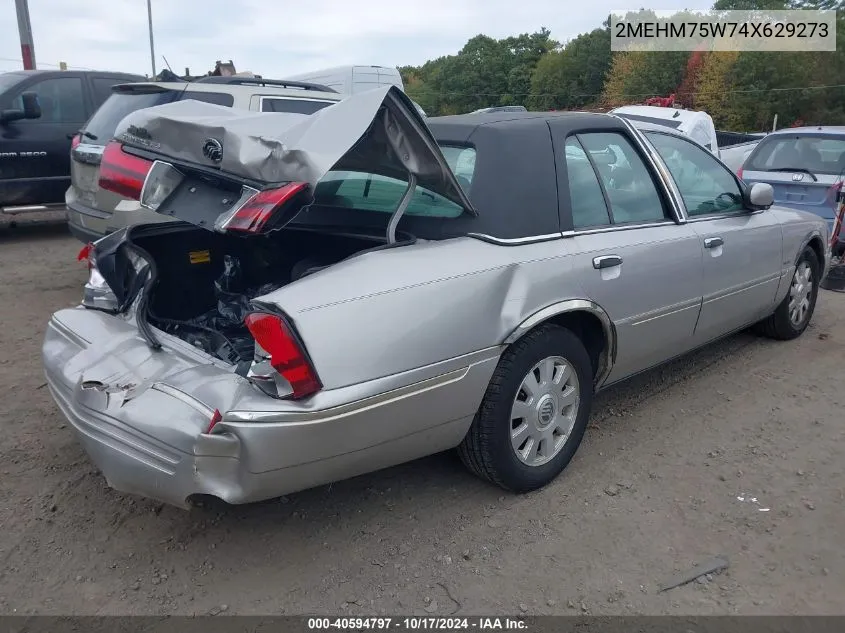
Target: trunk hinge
[{"x": 403, "y": 206}]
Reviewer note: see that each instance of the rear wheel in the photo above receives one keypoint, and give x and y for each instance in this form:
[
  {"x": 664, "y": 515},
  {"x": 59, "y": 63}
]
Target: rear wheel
[
  {"x": 793, "y": 315},
  {"x": 534, "y": 413}
]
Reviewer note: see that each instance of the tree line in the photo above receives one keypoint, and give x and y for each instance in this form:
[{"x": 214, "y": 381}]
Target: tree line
[{"x": 742, "y": 91}]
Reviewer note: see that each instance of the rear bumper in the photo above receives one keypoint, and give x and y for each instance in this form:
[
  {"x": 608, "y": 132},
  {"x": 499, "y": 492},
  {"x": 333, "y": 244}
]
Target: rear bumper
[
  {"x": 83, "y": 234},
  {"x": 148, "y": 437},
  {"x": 89, "y": 225}
]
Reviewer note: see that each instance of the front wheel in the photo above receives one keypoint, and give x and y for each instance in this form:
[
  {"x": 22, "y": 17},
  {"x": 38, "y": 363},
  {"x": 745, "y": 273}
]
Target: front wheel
[
  {"x": 793, "y": 315},
  {"x": 534, "y": 412}
]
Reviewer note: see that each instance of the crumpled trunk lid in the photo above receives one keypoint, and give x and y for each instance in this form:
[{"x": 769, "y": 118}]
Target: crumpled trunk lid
[{"x": 376, "y": 132}]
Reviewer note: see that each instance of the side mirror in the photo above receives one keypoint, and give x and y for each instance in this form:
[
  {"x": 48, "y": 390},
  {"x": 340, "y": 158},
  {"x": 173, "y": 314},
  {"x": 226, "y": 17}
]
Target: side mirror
[
  {"x": 31, "y": 109},
  {"x": 761, "y": 195}
]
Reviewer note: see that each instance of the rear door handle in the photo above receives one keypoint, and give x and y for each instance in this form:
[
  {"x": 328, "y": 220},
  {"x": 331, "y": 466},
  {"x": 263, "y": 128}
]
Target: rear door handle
[
  {"x": 713, "y": 242},
  {"x": 606, "y": 261}
]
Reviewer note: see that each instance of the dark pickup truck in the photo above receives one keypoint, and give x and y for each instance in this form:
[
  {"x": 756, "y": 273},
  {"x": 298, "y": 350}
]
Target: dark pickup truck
[{"x": 39, "y": 113}]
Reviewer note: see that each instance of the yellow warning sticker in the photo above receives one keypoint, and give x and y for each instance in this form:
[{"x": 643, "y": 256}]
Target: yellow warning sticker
[{"x": 200, "y": 257}]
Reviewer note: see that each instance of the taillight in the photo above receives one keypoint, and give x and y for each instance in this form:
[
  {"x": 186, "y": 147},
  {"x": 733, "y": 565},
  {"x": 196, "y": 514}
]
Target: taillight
[
  {"x": 77, "y": 139},
  {"x": 123, "y": 173},
  {"x": 251, "y": 215},
  {"x": 287, "y": 356},
  {"x": 85, "y": 254},
  {"x": 215, "y": 418},
  {"x": 97, "y": 293}
]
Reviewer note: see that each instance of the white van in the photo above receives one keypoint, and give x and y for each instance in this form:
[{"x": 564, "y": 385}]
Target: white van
[
  {"x": 695, "y": 124},
  {"x": 350, "y": 80}
]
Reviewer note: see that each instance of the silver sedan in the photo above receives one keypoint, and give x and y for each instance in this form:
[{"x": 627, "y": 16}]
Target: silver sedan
[{"x": 359, "y": 288}]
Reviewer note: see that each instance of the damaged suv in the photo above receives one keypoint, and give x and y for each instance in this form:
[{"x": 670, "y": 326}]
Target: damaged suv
[{"x": 353, "y": 289}]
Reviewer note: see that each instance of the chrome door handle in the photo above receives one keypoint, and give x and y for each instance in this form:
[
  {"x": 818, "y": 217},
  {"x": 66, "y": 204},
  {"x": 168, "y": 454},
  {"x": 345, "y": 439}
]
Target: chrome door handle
[
  {"x": 713, "y": 242},
  {"x": 606, "y": 261}
]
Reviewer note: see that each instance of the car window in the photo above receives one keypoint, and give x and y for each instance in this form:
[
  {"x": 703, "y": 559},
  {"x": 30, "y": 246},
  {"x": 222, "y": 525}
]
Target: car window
[
  {"x": 373, "y": 192},
  {"x": 60, "y": 99},
  {"x": 585, "y": 195},
  {"x": 816, "y": 153},
  {"x": 101, "y": 87},
  {"x": 7, "y": 80},
  {"x": 217, "y": 98},
  {"x": 705, "y": 184},
  {"x": 631, "y": 191},
  {"x": 299, "y": 106},
  {"x": 120, "y": 104}
]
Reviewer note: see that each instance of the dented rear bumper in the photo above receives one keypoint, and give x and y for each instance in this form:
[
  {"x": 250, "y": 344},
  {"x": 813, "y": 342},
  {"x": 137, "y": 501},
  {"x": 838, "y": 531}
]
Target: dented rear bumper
[{"x": 142, "y": 416}]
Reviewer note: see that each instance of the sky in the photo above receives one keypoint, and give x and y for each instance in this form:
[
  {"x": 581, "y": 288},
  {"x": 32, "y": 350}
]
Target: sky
[{"x": 283, "y": 37}]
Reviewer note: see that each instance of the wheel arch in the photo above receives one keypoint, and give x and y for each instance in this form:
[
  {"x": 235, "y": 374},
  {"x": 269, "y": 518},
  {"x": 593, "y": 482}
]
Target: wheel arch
[
  {"x": 588, "y": 320},
  {"x": 814, "y": 241}
]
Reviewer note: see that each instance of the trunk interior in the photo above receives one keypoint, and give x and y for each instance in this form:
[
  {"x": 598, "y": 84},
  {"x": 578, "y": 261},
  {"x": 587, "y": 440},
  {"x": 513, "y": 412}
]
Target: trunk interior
[{"x": 205, "y": 280}]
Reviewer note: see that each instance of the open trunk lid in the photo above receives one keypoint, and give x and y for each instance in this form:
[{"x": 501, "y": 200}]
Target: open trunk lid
[{"x": 244, "y": 166}]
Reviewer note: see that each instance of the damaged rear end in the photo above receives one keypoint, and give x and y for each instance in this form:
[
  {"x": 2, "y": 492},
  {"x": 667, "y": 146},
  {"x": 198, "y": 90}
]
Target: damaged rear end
[{"x": 179, "y": 350}]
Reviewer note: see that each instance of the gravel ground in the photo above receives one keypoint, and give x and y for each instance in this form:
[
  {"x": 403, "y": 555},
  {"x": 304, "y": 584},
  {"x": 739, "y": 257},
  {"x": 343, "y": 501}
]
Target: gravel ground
[{"x": 736, "y": 451}]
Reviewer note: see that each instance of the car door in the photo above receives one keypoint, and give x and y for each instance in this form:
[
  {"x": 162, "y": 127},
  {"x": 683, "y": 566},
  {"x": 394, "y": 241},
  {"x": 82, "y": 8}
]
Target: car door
[
  {"x": 40, "y": 171},
  {"x": 634, "y": 255},
  {"x": 743, "y": 248}
]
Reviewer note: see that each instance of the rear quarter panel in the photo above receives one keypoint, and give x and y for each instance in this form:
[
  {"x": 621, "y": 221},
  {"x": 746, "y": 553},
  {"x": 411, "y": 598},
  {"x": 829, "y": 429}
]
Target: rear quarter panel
[
  {"x": 390, "y": 311},
  {"x": 799, "y": 227}
]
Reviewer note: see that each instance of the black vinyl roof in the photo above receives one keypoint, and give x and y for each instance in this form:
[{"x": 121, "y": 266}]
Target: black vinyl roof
[{"x": 515, "y": 184}]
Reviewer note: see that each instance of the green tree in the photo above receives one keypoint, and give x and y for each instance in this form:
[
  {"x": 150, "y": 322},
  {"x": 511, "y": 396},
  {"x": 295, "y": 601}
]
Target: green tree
[{"x": 573, "y": 76}]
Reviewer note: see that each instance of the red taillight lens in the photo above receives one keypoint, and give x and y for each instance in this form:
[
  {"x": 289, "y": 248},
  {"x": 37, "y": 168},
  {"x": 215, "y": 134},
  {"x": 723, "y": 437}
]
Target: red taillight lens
[
  {"x": 123, "y": 173},
  {"x": 215, "y": 418},
  {"x": 85, "y": 253},
  {"x": 286, "y": 355},
  {"x": 77, "y": 139},
  {"x": 252, "y": 215}
]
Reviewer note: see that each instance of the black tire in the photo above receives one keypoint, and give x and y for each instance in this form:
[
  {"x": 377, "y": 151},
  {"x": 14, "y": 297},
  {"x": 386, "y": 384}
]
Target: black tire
[
  {"x": 486, "y": 450},
  {"x": 779, "y": 325}
]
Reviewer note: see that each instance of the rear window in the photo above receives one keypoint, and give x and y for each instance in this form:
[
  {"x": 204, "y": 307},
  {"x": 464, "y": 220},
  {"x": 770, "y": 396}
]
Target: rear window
[
  {"x": 372, "y": 192},
  {"x": 104, "y": 122},
  {"x": 298, "y": 106},
  {"x": 817, "y": 153},
  {"x": 120, "y": 104}
]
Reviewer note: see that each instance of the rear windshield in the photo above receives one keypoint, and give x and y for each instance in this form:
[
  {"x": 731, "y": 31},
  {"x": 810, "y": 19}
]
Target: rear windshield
[
  {"x": 120, "y": 104},
  {"x": 299, "y": 106},
  {"x": 818, "y": 154},
  {"x": 372, "y": 192}
]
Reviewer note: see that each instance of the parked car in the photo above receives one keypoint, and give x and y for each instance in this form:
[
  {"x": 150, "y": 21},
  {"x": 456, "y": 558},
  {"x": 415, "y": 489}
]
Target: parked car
[
  {"x": 348, "y": 291},
  {"x": 697, "y": 125},
  {"x": 39, "y": 113},
  {"x": 736, "y": 155},
  {"x": 93, "y": 212},
  {"x": 805, "y": 166}
]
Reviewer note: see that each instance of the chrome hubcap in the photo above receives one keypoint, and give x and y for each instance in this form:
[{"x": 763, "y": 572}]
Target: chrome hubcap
[
  {"x": 800, "y": 294},
  {"x": 544, "y": 411}
]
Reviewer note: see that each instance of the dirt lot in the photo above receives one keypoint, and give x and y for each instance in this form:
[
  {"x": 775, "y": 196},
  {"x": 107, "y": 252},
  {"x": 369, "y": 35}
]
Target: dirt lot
[{"x": 653, "y": 491}]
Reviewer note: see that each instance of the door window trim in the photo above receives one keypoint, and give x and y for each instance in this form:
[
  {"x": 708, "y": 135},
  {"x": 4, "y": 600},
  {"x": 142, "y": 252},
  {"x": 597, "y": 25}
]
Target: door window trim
[
  {"x": 676, "y": 218},
  {"x": 719, "y": 215},
  {"x": 679, "y": 209}
]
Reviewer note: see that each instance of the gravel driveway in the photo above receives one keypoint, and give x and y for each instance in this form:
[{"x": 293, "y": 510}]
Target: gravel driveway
[{"x": 736, "y": 451}]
